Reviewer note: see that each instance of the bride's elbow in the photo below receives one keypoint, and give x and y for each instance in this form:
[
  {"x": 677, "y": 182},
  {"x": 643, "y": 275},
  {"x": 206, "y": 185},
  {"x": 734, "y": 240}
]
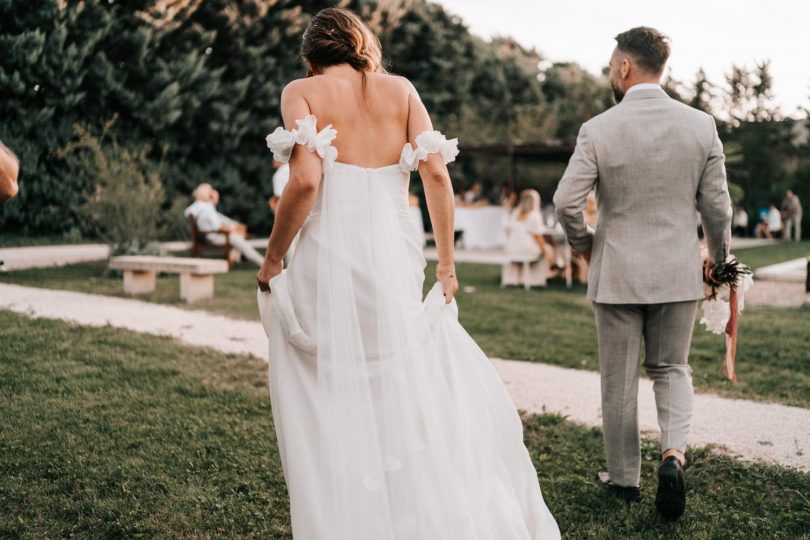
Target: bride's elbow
[
  {"x": 436, "y": 175},
  {"x": 303, "y": 184}
]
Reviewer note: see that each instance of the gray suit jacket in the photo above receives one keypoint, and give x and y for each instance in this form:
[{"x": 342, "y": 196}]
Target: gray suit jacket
[{"x": 653, "y": 161}]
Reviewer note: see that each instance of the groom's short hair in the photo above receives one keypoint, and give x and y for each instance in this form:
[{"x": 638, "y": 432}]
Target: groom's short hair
[{"x": 648, "y": 46}]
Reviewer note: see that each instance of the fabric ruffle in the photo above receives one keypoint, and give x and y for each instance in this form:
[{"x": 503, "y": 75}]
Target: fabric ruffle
[
  {"x": 427, "y": 142},
  {"x": 281, "y": 141}
]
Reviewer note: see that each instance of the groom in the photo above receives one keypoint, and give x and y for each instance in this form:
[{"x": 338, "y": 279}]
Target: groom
[{"x": 653, "y": 161}]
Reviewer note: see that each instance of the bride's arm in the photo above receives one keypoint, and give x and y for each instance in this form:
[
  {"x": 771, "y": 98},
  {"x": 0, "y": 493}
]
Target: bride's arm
[
  {"x": 439, "y": 195},
  {"x": 299, "y": 195}
]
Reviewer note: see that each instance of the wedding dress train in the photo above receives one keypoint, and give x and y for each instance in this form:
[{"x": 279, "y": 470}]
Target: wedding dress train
[{"x": 391, "y": 421}]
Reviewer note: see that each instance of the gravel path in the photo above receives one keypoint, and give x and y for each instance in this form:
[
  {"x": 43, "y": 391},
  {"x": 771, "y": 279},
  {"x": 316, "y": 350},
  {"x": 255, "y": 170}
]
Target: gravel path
[{"x": 751, "y": 430}]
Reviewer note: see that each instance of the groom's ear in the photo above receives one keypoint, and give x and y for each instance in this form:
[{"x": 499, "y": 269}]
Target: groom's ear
[{"x": 624, "y": 67}]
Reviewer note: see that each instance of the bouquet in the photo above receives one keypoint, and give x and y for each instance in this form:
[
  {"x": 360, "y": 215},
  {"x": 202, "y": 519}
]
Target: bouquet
[{"x": 725, "y": 301}]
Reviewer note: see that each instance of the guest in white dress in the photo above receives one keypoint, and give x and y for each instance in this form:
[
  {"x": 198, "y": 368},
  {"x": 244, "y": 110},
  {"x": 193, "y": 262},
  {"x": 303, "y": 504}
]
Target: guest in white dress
[
  {"x": 391, "y": 422},
  {"x": 528, "y": 254}
]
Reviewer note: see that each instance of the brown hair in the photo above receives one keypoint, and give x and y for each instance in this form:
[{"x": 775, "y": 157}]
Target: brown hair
[
  {"x": 648, "y": 46},
  {"x": 338, "y": 36}
]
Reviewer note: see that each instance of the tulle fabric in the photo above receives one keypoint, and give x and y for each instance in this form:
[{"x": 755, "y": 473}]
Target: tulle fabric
[{"x": 391, "y": 422}]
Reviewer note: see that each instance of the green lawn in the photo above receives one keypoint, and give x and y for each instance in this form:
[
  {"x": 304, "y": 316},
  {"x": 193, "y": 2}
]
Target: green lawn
[
  {"x": 111, "y": 434},
  {"x": 553, "y": 325},
  {"x": 757, "y": 257}
]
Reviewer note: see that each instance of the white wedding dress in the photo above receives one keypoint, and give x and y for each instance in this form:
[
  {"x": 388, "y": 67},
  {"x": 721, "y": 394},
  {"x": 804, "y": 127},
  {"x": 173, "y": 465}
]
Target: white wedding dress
[{"x": 391, "y": 421}]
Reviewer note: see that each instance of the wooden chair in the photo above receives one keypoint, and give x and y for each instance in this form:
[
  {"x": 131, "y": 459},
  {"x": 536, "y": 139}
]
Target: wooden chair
[{"x": 200, "y": 244}]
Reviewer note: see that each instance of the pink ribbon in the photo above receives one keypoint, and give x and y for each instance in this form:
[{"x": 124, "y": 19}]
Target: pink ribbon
[{"x": 731, "y": 338}]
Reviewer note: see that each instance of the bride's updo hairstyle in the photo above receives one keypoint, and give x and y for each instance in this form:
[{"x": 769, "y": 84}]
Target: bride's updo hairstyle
[{"x": 338, "y": 36}]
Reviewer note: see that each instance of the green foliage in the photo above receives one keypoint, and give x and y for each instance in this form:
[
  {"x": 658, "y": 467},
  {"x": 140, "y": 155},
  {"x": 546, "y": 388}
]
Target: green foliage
[
  {"x": 200, "y": 83},
  {"x": 124, "y": 206}
]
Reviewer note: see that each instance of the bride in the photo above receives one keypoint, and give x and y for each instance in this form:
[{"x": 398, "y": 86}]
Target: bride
[{"x": 391, "y": 422}]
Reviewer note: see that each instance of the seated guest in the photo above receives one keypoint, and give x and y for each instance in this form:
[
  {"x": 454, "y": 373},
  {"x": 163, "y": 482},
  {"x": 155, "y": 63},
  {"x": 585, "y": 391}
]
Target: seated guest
[
  {"x": 774, "y": 221},
  {"x": 740, "y": 221},
  {"x": 9, "y": 169},
  {"x": 474, "y": 194},
  {"x": 524, "y": 231},
  {"x": 507, "y": 198},
  {"x": 216, "y": 226}
]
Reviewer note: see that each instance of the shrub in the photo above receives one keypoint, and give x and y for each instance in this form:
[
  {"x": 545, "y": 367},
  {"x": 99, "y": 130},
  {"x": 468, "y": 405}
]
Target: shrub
[{"x": 124, "y": 204}]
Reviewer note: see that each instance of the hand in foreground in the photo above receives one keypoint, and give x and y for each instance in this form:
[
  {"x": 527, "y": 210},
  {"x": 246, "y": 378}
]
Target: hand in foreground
[
  {"x": 268, "y": 271},
  {"x": 446, "y": 275}
]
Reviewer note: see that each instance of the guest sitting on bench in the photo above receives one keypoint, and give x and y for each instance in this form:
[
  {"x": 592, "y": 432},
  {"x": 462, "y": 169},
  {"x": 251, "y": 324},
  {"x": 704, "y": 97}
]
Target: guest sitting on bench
[{"x": 216, "y": 226}]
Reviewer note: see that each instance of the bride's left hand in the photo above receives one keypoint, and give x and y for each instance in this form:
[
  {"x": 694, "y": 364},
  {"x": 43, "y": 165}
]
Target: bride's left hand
[{"x": 268, "y": 271}]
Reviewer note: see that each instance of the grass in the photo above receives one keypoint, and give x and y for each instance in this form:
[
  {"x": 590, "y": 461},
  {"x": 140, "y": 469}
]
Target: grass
[
  {"x": 757, "y": 257},
  {"x": 111, "y": 434},
  {"x": 554, "y": 325}
]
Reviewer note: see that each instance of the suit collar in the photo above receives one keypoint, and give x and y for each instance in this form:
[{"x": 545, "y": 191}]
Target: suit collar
[{"x": 645, "y": 93}]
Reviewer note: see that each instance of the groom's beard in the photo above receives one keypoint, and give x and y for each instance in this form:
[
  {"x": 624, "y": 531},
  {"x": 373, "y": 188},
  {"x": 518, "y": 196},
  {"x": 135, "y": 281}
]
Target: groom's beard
[{"x": 618, "y": 94}]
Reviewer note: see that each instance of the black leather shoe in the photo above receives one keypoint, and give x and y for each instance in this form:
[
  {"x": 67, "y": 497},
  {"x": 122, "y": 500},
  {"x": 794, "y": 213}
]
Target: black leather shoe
[
  {"x": 630, "y": 494},
  {"x": 670, "y": 500}
]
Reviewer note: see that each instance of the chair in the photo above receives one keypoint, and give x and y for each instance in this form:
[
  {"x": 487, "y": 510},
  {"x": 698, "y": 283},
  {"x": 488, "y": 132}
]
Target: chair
[{"x": 200, "y": 244}]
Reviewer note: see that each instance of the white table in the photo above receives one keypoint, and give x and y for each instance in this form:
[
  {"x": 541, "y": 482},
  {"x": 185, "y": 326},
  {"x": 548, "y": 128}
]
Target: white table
[{"x": 482, "y": 227}]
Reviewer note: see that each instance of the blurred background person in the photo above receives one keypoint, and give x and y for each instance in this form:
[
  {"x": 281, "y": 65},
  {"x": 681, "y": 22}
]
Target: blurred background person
[
  {"x": 774, "y": 221},
  {"x": 792, "y": 213},
  {"x": 475, "y": 195},
  {"x": 507, "y": 198},
  {"x": 216, "y": 226},
  {"x": 524, "y": 233},
  {"x": 280, "y": 179},
  {"x": 9, "y": 170},
  {"x": 740, "y": 222}
]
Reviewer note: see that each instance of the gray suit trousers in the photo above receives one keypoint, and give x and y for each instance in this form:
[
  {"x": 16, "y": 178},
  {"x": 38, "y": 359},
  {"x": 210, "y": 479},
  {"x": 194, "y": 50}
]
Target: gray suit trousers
[{"x": 666, "y": 330}]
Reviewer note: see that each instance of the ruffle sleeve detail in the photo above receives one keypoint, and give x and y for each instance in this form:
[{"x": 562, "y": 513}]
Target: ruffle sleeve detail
[
  {"x": 281, "y": 141},
  {"x": 427, "y": 142}
]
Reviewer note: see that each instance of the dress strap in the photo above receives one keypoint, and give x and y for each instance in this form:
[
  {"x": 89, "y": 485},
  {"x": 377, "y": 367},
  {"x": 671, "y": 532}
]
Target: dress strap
[
  {"x": 427, "y": 142},
  {"x": 281, "y": 142}
]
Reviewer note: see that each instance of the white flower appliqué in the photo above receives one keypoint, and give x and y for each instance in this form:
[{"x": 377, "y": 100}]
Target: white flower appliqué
[
  {"x": 427, "y": 142},
  {"x": 281, "y": 141}
]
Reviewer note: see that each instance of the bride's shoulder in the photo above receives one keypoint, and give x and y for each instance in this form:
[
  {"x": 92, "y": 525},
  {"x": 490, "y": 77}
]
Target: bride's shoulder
[
  {"x": 297, "y": 86},
  {"x": 393, "y": 82}
]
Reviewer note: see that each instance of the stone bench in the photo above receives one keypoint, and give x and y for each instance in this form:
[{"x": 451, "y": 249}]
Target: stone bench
[{"x": 196, "y": 275}]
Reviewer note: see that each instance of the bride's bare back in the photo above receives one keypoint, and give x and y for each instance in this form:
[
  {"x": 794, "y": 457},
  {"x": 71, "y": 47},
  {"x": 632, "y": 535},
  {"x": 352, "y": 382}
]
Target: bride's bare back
[{"x": 373, "y": 123}]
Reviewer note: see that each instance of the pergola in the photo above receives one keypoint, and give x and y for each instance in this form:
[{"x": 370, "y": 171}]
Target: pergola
[{"x": 544, "y": 151}]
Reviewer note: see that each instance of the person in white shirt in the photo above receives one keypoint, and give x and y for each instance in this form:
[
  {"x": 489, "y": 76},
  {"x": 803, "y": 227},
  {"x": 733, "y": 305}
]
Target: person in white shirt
[
  {"x": 280, "y": 179},
  {"x": 774, "y": 222},
  {"x": 216, "y": 226}
]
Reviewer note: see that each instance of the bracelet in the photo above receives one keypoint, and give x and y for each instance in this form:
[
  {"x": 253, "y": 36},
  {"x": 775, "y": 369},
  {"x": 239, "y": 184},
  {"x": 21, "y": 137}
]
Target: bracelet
[{"x": 451, "y": 272}]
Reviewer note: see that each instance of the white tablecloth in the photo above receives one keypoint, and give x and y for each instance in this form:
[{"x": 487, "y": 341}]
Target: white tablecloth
[{"x": 482, "y": 227}]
